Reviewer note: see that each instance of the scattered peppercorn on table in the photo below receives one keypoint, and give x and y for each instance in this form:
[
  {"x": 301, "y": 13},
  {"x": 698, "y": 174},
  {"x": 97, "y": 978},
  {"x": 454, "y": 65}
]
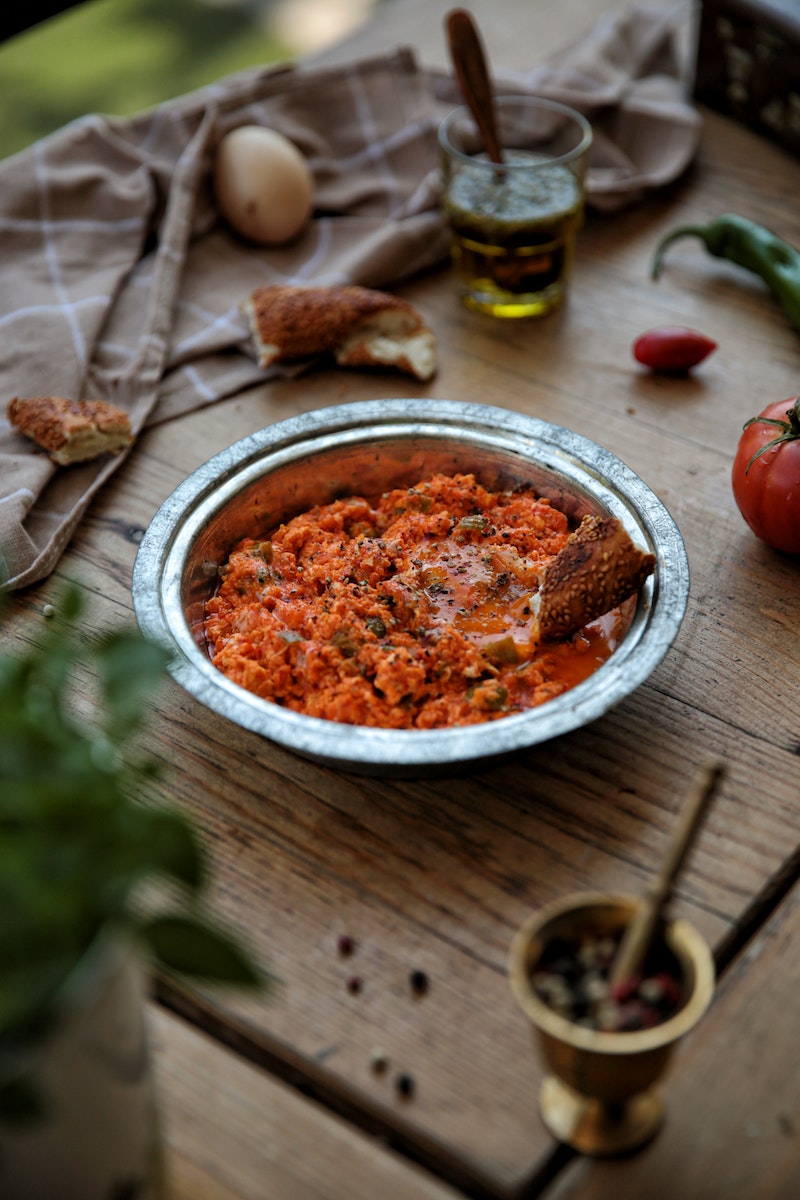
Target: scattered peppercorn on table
[{"x": 390, "y": 1060}]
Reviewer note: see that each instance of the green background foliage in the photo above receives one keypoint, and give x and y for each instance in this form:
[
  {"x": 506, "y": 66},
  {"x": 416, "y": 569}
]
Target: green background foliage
[
  {"x": 123, "y": 56},
  {"x": 77, "y": 840}
]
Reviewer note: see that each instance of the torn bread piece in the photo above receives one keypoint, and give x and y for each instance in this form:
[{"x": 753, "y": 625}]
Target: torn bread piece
[
  {"x": 360, "y": 326},
  {"x": 598, "y": 569},
  {"x": 71, "y": 431}
]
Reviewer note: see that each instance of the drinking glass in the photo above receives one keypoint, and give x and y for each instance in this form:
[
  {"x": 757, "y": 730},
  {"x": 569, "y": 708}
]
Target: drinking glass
[{"x": 513, "y": 225}]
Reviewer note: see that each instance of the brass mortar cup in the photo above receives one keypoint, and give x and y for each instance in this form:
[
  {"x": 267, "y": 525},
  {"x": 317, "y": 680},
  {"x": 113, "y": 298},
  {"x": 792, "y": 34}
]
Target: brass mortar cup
[{"x": 600, "y": 1096}]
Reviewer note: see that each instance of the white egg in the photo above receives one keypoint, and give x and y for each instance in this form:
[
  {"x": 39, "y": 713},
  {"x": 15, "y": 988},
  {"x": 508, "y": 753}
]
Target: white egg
[{"x": 263, "y": 185}]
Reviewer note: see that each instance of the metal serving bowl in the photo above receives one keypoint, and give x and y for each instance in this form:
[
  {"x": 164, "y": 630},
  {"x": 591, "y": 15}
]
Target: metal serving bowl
[{"x": 366, "y": 449}]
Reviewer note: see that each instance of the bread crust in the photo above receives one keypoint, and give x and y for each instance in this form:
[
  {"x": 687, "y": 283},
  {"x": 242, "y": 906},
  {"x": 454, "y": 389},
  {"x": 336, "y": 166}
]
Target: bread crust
[
  {"x": 71, "y": 431},
  {"x": 598, "y": 569},
  {"x": 361, "y": 327}
]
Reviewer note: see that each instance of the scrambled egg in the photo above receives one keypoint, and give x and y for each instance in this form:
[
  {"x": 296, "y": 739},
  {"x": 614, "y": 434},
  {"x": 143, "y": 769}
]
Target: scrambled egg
[{"x": 410, "y": 613}]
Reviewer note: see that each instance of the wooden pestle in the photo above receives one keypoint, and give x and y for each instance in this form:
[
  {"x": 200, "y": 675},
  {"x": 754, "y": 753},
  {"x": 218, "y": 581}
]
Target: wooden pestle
[{"x": 639, "y": 933}]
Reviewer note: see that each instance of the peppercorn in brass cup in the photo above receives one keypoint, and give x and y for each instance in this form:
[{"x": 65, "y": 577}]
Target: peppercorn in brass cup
[
  {"x": 514, "y": 224},
  {"x": 600, "y": 1096}
]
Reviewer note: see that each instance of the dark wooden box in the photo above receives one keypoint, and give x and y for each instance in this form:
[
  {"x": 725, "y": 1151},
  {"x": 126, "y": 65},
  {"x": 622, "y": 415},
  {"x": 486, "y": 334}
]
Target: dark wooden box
[{"x": 748, "y": 64}]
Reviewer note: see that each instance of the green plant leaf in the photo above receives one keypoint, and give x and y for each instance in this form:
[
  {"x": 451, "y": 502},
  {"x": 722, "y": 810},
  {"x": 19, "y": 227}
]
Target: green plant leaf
[
  {"x": 80, "y": 841},
  {"x": 20, "y": 1102},
  {"x": 154, "y": 841},
  {"x": 131, "y": 670},
  {"x": 71, "y": 603},
  {"x": 27, "y": 992},
  {"x": 192, "y": 947}
]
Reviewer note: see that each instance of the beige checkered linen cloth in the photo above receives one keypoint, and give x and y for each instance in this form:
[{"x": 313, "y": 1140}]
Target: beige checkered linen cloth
[{"x": 118, "y": 280}]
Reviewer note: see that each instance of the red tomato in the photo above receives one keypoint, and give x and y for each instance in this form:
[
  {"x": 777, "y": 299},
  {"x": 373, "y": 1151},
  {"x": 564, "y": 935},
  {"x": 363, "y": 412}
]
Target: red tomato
[{"x": 766, "y": 482}]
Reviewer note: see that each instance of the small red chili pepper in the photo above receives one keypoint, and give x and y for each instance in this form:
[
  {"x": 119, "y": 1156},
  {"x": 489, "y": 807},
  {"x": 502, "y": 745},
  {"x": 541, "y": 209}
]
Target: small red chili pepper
[{"x": 672, "y": 349}]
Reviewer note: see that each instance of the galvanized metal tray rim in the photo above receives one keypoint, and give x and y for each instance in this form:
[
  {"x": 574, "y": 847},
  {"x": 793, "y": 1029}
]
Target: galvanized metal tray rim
[{"x": 579, "y": 462}]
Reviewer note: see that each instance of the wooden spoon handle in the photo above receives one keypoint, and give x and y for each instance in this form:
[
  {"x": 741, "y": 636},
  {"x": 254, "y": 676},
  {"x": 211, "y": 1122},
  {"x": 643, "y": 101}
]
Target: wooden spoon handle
[
  {"x": 469, "y": 60},
  {"x": 639, "y": 933}
]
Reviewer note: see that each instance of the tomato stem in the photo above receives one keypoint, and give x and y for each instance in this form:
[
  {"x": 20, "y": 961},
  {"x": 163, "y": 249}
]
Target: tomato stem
[{"x": 790, "y": 430}]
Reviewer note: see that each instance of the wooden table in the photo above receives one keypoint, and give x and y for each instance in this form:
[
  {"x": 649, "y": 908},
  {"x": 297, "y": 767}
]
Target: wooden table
[{"x": 278, "y": 1097}]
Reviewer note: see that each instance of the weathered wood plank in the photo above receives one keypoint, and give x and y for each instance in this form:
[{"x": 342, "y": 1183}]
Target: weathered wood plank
[
  {"x": 437, "y": 874},
  {"x": 233, "y": 1133}
]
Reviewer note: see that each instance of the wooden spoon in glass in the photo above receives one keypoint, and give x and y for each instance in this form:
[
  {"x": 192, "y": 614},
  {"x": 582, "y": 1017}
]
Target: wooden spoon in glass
[{"x": 469, "y": 60}]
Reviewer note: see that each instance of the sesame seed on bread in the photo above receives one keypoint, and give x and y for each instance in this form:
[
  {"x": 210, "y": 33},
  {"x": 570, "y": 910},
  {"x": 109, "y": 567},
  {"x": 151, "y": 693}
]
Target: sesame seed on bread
[
  {"x": 71, "y": 431},
  {"x": 598, "y": 569},
  {"x": 360, "y": 327}
]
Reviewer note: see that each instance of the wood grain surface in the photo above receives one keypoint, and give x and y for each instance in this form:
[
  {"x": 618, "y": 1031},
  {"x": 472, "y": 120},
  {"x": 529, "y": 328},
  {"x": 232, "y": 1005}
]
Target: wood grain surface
[
  {"x": 234, "y": 1133},
  {"x": 436, "y": 875}
]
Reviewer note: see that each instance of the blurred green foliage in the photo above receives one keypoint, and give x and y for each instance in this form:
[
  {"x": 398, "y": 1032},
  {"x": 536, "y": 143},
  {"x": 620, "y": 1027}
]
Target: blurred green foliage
[
  {"x": 123, "y": 56},
  {"x": 77, "y": 842}
]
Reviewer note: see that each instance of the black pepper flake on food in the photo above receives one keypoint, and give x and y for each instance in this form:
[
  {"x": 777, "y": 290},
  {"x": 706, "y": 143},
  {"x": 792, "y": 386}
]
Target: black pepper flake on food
[
  {"x": 405, "y": 1085},
  {"x": 419, "y": 982}
]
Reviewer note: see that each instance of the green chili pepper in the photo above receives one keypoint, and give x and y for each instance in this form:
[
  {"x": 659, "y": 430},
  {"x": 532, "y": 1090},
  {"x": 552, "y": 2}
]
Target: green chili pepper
[
  {"x": 475, "y": 521},
  {"x": 751, "y": 246},
  {"x": 502, "y": 651}
]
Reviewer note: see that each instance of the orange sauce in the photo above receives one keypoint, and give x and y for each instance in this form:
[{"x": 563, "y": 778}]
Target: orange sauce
[{"x": 413, "y": 612}]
